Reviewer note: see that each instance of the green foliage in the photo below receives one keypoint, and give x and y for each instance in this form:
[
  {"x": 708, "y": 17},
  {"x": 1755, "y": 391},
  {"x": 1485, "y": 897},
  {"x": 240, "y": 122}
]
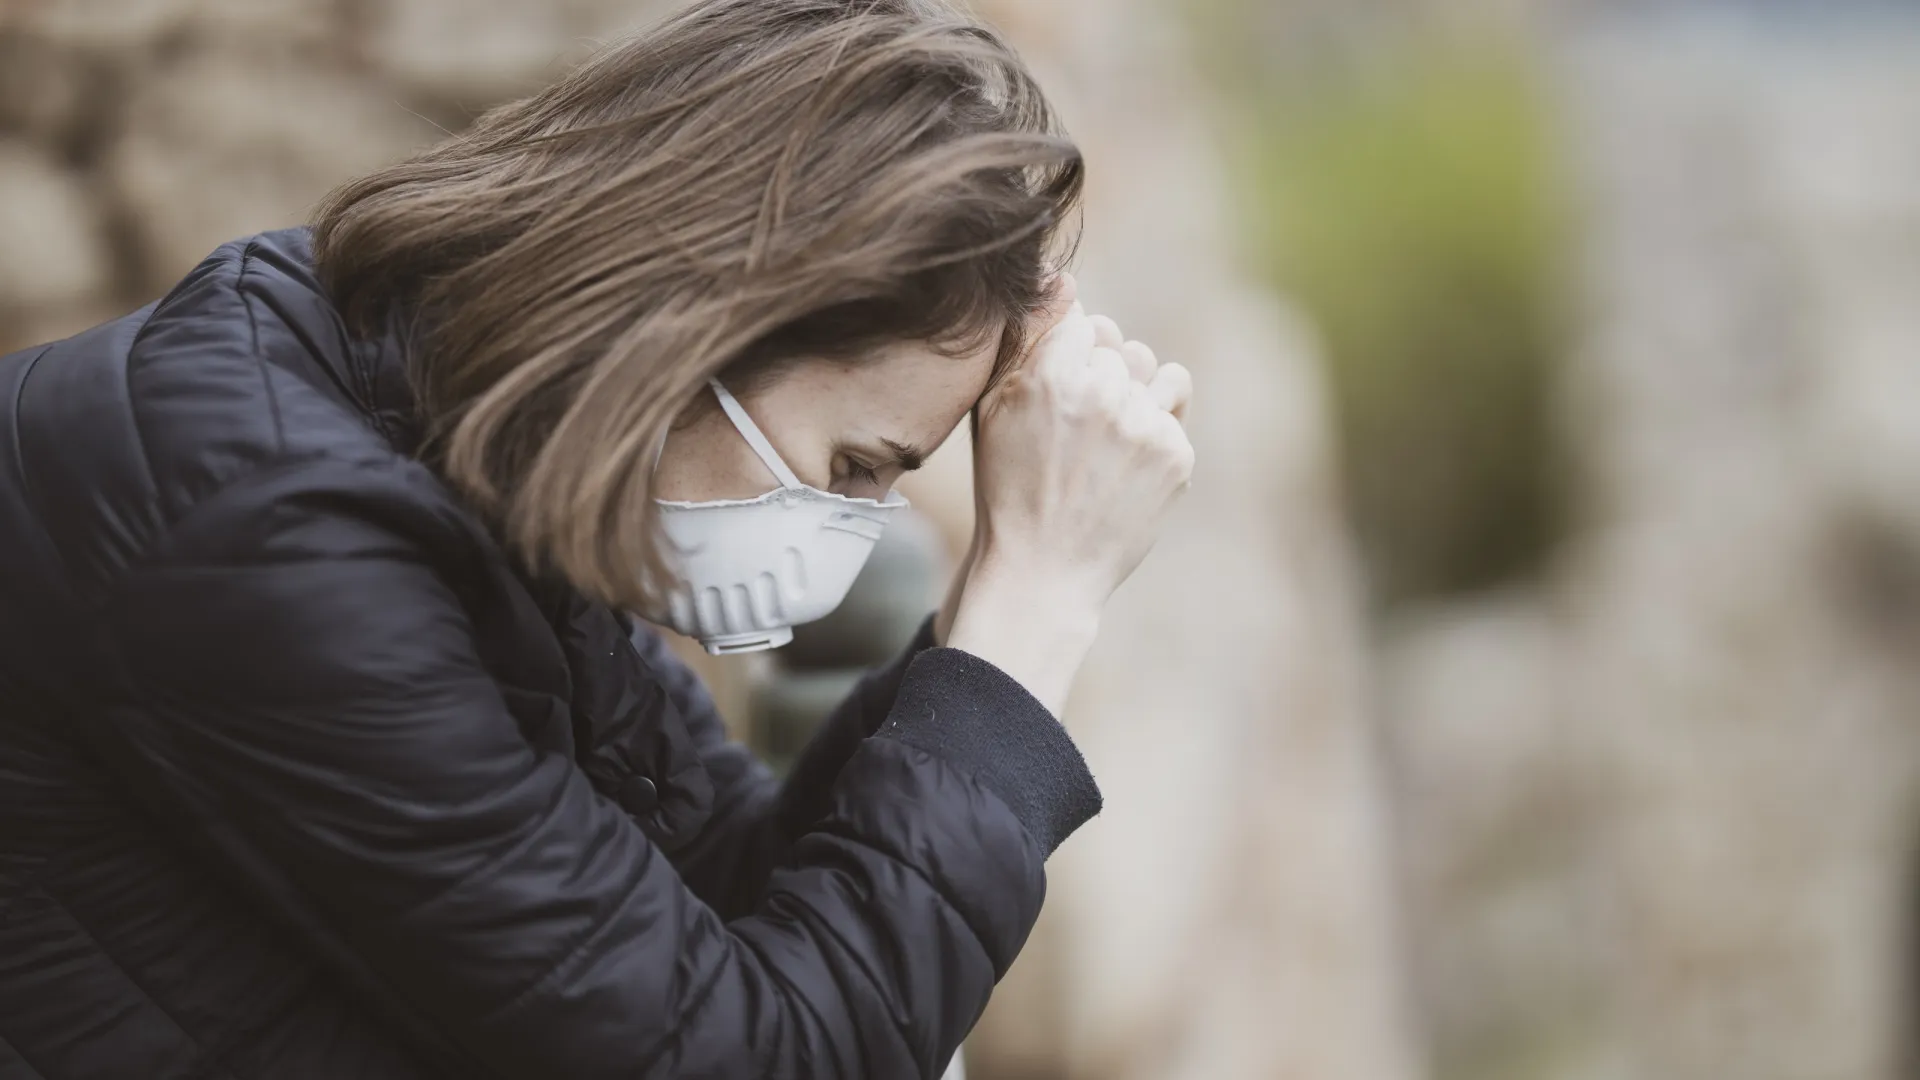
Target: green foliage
[{"x": 1412, "y": 207}]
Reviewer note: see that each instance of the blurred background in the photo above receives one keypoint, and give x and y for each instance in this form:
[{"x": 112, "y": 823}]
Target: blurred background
[{"x": 1528, "y": 688}]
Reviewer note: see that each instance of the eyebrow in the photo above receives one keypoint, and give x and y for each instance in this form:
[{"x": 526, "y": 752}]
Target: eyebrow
[{"x": 907, "y": 457}]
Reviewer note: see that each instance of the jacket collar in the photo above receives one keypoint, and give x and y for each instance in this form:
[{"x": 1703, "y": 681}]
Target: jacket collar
[
  {"x": 370, "y": 373},
  {"x": 377, "y": 370}
]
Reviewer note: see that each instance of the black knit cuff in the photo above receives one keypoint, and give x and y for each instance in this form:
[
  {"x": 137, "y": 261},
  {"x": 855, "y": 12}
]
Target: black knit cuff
[{"x": 958, "y": 707}]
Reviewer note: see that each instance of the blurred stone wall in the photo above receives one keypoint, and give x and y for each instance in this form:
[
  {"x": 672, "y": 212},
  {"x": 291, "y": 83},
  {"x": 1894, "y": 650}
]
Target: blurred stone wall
[
  {"x": 1658, "y": 817},
  {"x": 136, "y": 135},
  {"x": 1229, "y": 915}
]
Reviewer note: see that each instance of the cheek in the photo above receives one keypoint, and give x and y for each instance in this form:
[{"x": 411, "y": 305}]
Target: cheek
[
  {"x": 708, "y": 460},
  {"x": 803, "y": 444},
  {"x": 799, "y": 419}
]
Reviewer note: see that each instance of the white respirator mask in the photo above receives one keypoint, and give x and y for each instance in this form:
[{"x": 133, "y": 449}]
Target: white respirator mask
[{"x": 750, "y": 570}]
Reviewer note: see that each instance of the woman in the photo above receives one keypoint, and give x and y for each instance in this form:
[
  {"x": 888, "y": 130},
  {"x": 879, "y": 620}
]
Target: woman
[{"x": 326, "y": 747}]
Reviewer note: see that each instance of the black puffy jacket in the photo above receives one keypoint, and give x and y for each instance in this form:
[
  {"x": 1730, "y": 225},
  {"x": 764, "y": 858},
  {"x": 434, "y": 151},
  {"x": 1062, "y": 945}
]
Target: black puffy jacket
[{"x": 301, "y": 776}]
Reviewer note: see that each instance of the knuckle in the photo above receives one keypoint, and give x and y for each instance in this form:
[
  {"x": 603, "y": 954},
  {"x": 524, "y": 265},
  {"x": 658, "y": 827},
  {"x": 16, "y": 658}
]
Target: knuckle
[
  {"x": 1173, "y": 443},
  {"x": 1056, "y": 383},
  {"x": 1075, "y": 398},
  {"x": 1110, "y": 392}
]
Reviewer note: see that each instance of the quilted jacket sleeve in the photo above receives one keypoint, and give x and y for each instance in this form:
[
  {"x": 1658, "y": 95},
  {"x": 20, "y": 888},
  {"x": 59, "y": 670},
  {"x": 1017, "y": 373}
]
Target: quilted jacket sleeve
[
  {"x": 757, "y": 817},
  {"x": 293, "y": 670}
]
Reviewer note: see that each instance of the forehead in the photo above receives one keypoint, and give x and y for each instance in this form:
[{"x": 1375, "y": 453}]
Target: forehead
[{"x": 909, "y": 392}]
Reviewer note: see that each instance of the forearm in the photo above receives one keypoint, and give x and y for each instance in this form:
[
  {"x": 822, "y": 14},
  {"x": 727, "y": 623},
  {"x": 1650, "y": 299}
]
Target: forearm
[
  {"x": 943, "y": 619},
  {"x": 804, "y": 796},
  {"x": 1033, "y": 624},
  {"x": 756, "y": 818}
]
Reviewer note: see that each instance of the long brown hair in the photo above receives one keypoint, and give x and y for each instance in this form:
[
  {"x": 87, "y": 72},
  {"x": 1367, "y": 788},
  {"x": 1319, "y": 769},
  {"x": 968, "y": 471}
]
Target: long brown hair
[{"x": 749, "y": 184}]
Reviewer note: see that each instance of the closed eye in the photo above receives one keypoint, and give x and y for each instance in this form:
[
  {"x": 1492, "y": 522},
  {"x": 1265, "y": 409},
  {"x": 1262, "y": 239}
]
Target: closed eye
[
  {"x": 861, "y": 474},
  {"x": 853, "y": 475}
]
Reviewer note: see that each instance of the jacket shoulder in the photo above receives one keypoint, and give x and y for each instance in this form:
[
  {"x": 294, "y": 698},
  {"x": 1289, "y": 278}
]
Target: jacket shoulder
[{"x": 123, "y": 429}]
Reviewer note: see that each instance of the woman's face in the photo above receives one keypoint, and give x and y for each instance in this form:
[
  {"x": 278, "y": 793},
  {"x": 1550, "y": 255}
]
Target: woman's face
[{"x": 850, "y": 428}]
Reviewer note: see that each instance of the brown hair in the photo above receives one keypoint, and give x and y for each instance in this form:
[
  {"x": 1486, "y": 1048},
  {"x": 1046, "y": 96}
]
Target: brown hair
[{"x": 749, "y": 184}]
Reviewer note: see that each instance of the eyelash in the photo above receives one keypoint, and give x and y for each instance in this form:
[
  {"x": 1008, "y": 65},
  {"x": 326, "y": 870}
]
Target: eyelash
[{"x": 857, "y": 471}]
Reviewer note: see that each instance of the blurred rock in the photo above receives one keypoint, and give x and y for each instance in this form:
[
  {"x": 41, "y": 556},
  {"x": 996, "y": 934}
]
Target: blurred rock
[
  {"x": 124, "y": 29},
  {"x": 1495, "y": 826},
  {"x": 485, "y": 51},
  {"x": 44, "y": 87},
  {"x": 121, "y": 26},
  {"x": 1755, "y": 205},
  {"x": 289, "y": 26},
  {"x": 1720, "y": 677},
  {"x": 221, "y": 147},
  {"x": 52, "y": 252}
]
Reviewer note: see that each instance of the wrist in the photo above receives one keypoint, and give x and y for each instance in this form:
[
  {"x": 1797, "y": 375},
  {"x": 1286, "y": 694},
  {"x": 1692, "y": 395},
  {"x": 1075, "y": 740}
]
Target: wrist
[
  {"x": 1038, "y": 609},
  {"x": 1049, "y": 587},
  {"x": 950, "y": 605},
  {"x": 1034, "y": 625}
]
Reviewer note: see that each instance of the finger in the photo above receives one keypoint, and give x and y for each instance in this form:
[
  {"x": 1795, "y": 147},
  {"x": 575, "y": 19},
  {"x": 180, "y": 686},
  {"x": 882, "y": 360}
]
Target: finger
[
  {"x": 1065, "y": 346},
  {"x": 1172, "y": 389},
  {"x": 1141, "y": 362},
  {"x": 1107, "y": 366},
  {"x": 1106, "y": 333}
]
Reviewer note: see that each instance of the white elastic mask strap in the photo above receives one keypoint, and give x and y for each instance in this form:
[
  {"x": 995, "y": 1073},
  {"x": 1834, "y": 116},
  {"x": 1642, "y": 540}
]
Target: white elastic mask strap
[{"x": 750, "y": 431}]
